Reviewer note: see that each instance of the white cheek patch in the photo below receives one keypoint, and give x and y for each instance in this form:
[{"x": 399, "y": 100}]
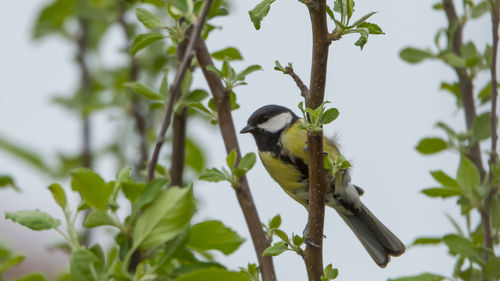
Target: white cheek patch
[{"x": 277, "y": 123}]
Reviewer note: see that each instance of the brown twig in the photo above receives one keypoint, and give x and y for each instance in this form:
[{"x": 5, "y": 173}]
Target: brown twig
[
  {"x": 85, "y": 88},
  {"x": 304, "y": 91},
  {"x": 465, "y": 82},
  {"x": 317, "y": 181},
  {"x": 179, "y": 134},
  {"x": 226, "y": 125},
  {"x": 486, "y": 211},
  {"x": 174, "y": 89},
  {"x": 137, "y": 111}
]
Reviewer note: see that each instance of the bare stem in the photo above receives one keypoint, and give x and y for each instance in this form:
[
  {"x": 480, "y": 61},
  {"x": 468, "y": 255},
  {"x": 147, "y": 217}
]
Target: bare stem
[
  {"x": 304, "y": 91},
  {"x": 228, "y": 132},
  {"x": 465, "y": 82},
  {"x": 317, "y": 181},
  {"x": 174, "y": 89}
]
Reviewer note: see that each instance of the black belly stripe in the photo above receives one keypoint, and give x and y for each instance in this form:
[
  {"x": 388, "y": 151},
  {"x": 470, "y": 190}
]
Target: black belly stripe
[{"x": 297, "y": 162}]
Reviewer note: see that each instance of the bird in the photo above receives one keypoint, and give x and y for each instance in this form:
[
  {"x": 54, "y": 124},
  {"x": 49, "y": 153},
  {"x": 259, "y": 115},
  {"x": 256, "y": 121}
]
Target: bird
[{"x": 281, "y": 139}]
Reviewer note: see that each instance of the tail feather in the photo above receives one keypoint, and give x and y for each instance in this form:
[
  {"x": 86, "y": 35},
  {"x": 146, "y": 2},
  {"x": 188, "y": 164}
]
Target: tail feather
[{"x": 375, "y": 237}]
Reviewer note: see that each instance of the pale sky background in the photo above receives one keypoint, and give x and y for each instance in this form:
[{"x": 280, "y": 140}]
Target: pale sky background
[{"x": 385, "y": 106}]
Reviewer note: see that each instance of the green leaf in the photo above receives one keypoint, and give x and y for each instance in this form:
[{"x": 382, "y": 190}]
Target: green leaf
[
  {"x": 212, "y": 68},
  {"x": 31, "y": 277},
  {"x": 147, "y": 18},
  {"x": 11, "y": 262},
  {"x": 350, "y": 9},
  {"x": 197, "y": 95},
  {"x": 34, "y": 220},
  {"x": 413, "y": 55},
  {"x": 275, "y": 222},
  {"x": 329, "y": 116},
  {"x": 363, "y": 19},
  {"x": 298, "y": 240},
  {"x": 330, "y": 273},
  {"x": 30, "y": 157},
  {"x": 427, "y": 241},
  {"x": 442, "y": 192},
  {"x": 144, "y": 91},
  {"x": 247, "y": 162},
  {"x": 463, "y": 247},
  {"x": 98, "y": 218},
  {"x": 143, "y": 40},
  {"x": 485, "y": 93},
  {"x": 421, "y": 277},
  {"x": 438, "y": 6},
  {"x": 468, "y": 177},
  {"x": 231, "y": 159},
  {"x": 214, "y": 235},
  {"x": 132, "y": 190},
  {"x": 431, "y": 145},
  {"x": 194, "y": 156},
  {"x": 166, "y": 217},
  {"x": 455, "y": 90},
  {"x": 149, "y": 194},
  {"x": 252, "y": 68},
  {"x": 282, "y": 235},
  {"x": 94, "y": 191},
  {"x": 6, "y": 181},
  {"x": 372, "y": 28},
  {"x": 58, "y": 194},
  {"x": 212, "y": 175},
  {"x": 481, "y": 127},
  {"x": 260, "y": 11},
  {"x": 229, "y": 53},
  {"x": 491, "y": 270},
  {"x": 85, "y": 266},
  {"x": 453, "y": 60},
  {"x": 480, "y": 9},
  {"x": 276, "y": 249},
  {"x": 442, "y": 178},
  {"x": 329, "y": 12},
  {"x": 495, "y": 212},
  {"x": 211, "y": 274},
  {"x": 363, "y": 32},
  {"x": 52, "y": 18}
]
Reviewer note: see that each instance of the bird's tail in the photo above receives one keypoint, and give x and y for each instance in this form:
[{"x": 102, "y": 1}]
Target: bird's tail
[{"x": 377, "y": 239}]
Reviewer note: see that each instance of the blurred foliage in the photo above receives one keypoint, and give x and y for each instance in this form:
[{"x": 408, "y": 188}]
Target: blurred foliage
[{"x": 472, "y": 191}]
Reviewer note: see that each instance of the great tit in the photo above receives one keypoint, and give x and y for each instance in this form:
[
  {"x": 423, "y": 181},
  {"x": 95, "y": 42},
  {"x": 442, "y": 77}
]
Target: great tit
[{"x": 281, "y": 141}]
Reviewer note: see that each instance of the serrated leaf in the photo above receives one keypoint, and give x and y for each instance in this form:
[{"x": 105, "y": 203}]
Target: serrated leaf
[
  {"x": 431, "y": 145},
  {"x": 144, "y": 91},
  {"x": 413, "y": 55},
  {"x": 275, "y": 249},
  {"x": 214, "y": 235},
  {"x": 164, "y": 218},
  {"x": 143, "y": 40},
  {"x": 260, "y": 11},
  {"x": 147, "y": 18},
  {"x": 94, "y": 191},
  {"x": 58, "y": 194},
  {"x": 229, "y": 53},
  {"x": 212, "y": 175},
  {"x": 34, "y": 220}
]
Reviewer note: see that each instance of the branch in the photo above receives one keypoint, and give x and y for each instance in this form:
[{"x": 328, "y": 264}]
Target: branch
[
  {"x": 137, "y": 112},
  {"x": 179, "y": 133},
  {"x": 226, "y": 125},
  {"x": 317, "y": 181},
  {"x": 465, "y": 82},
  {"x": 486, "y": 211},
  {"x": 304, "y": 91},
  {"x": 174, "y": 89}
]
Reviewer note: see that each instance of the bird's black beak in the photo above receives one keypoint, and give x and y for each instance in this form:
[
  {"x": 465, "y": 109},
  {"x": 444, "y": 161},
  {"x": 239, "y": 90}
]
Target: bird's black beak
[{"x": 247, "y": 129}]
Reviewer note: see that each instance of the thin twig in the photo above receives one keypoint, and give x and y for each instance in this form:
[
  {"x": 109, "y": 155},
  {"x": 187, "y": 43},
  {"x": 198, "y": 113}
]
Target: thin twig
[
  {"x": 304, "y": 91},
  {"x": 317, "y": 181},
  {"x": 174, "y": 89},
  {"x": 465, "y": 82},
  {"x": 137, "y": 111},
  {"x": 486, "y": 211},
  {"x": 228, "y": 132}
]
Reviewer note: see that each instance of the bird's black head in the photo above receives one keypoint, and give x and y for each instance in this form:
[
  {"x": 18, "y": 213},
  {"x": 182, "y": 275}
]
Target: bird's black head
[{"x": 269, "y": 119}]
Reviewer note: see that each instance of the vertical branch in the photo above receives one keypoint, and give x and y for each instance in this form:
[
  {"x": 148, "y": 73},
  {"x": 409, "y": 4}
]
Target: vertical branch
[
  {"x": 486, "y": 211},
  {"x": 226, "y": 126},
  {"x": 137, "y": 112},
  {"x": 179, "y": 133},
  {"x": 465, "y": 82},
  {"x": 175, "y": 88},
  {"x": 317, "y": 182}
]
